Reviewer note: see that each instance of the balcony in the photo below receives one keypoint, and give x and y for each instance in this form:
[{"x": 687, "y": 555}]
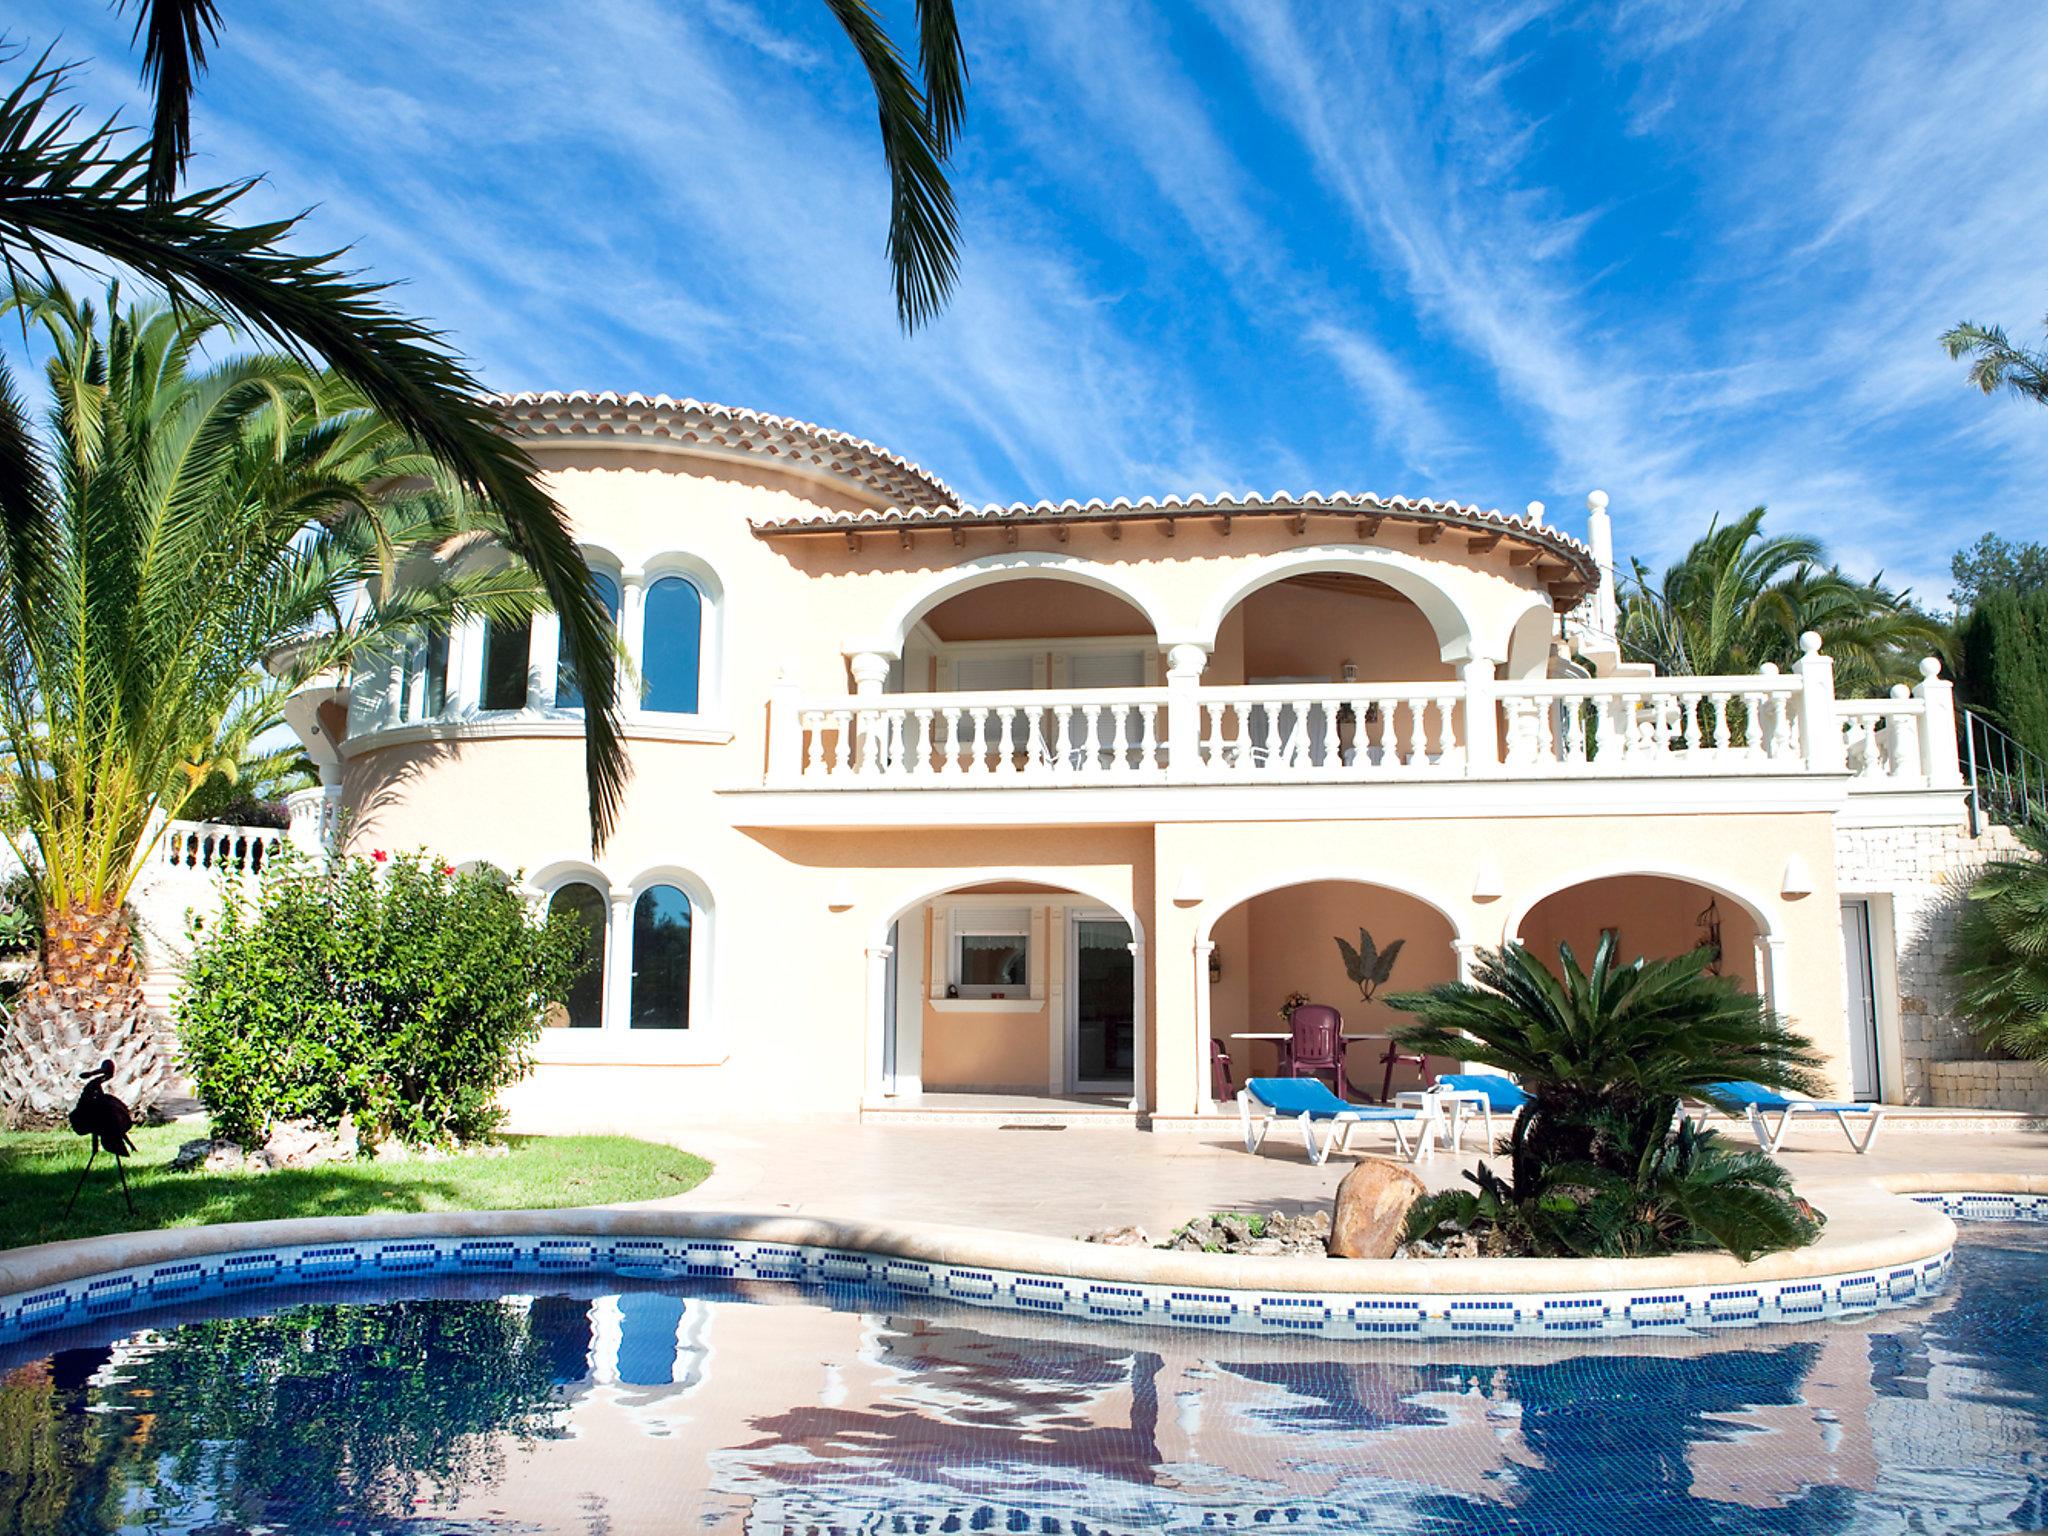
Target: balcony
[{"x": 1769, "y": 725}]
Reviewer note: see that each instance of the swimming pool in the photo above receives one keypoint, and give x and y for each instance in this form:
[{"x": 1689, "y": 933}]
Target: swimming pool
[{"x": 616, "y": 1407}]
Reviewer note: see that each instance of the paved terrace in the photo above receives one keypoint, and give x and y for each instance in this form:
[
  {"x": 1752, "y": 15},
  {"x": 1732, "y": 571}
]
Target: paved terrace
[{"x": 1064, "y": 1183}]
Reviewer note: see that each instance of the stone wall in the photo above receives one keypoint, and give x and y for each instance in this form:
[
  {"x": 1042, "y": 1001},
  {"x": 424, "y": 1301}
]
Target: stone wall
[
  {"x": 1927, "y": 871},
  {"x": 2019, "y": 1085}
]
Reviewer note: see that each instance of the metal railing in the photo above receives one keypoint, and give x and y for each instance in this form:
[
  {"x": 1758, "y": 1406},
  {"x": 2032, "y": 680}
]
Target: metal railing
[{"x": 2007, "y": 782}]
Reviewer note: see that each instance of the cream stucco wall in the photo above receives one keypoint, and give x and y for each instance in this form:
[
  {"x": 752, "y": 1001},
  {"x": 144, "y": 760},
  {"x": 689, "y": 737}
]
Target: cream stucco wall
[{"x": 788, "y": 1019}]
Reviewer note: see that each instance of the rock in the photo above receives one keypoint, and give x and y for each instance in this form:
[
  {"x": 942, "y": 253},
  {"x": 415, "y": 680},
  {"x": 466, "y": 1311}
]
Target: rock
[
  {"x": 190, "y": 1155},
  {"x": 302, "y": 1144},
  {"x": 1372, "y": 1209},
  {"x": 1120, "y": 1237}
]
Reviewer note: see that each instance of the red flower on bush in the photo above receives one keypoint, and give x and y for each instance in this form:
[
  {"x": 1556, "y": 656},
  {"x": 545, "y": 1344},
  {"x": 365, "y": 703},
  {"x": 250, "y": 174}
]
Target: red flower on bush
[
  {"x": 447, "y": 869},
  {"x": 380, "y": 855}
]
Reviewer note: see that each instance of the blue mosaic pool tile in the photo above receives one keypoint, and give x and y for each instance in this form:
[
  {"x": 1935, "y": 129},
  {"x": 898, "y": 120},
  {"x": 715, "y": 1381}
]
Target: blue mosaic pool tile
[{"x": 1341, "y": 1315}]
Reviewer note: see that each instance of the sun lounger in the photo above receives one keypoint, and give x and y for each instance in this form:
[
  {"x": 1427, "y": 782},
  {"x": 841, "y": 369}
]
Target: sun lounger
[
  {"x": 1760, "y": 1103},
  {"x": 1308, "y": 1102}
]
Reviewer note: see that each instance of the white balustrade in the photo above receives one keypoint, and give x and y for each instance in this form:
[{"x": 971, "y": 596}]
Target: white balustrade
[
  {"x": 1768, "y": 723},
  {"x": 1630, "y": 726},
  {"x": 1335, "y": 731},
  {"x": 213, "y": 847},
  {"x": 897, "y": 739}
]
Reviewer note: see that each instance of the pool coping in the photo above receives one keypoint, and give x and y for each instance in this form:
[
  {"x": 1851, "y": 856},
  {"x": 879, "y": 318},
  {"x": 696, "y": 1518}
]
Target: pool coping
[{"x": 1880, "y": 1248}]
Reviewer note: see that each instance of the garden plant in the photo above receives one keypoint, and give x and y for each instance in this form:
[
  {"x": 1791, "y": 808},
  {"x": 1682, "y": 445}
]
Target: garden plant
[{"x": 1607, "y": 1056}]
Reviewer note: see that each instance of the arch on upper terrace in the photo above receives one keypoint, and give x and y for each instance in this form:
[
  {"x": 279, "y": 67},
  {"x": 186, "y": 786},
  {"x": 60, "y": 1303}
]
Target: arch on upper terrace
[
  {"x": 1461, "y": 630},
  {"x": 888, "y": 636}
]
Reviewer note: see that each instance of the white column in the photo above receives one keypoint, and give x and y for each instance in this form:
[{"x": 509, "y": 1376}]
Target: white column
[
  {"x": 870, "y": 672},
  {"x": 877, "y": 1018},
  {"x": 632, "y": 636},
  {"x": 1775, "y": 973},
  {"x": 1184, "y": 666},
  {"x": 785, "y": 731},
  {"x": 1938, "y": 758},
  {"x": 1600, "y": 537},
  {"x": 1141, "y": 1098},
  {"x": 1204, "y": 1022},
  {"x": 618, "y": 964},
  {"x": 1467, "y": 950},
  {"x": 466, "y": 667},
  {"x": 543, "y": 660},
  {"x": 1482, "y": 719},
  {"x": 1820, "y": 728},
  {"x": 394, "y": 687},
  {"x": 911, "y": 991}
]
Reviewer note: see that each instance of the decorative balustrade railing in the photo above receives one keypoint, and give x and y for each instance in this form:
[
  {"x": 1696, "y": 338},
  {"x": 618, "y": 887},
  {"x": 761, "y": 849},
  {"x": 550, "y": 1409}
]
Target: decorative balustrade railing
[
  {"x": 213, "y": 848},
  {"x": 1089, "y": 734},
  {"x": 1475, "y": 727},
  {"x": 1630, "y": 726},
  {"x": 1338, "y": 731}
]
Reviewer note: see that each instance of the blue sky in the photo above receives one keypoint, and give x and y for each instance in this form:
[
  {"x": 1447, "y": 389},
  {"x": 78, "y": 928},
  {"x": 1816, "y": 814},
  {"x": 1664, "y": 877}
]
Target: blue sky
[{"x": 1697, "y": 254}]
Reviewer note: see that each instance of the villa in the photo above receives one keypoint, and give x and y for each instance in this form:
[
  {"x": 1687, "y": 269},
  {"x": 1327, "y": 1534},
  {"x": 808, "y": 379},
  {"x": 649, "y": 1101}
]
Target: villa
[{"x": 1060, "y": 802}]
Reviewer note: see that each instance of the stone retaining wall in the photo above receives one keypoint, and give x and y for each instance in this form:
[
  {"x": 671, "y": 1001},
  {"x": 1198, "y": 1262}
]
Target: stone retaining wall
[
  {"x": 1926, "y": 873},
  {"x": 2021, "y": 1085}
]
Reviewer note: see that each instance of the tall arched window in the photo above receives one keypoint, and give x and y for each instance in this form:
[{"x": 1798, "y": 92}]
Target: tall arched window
[
  {"x": 505, "y": 655},
  {"x": 583, "y": 1008},
  {"x": 661, "y": 959},
  {"x": 672, "y": 647},
  {"x": 568, "y": 690}
]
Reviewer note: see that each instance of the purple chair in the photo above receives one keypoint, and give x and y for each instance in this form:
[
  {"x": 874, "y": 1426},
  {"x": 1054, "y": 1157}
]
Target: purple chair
[
  {"x": 1222, "y": 1086},
  {"x": 1315, "y": 1047}
]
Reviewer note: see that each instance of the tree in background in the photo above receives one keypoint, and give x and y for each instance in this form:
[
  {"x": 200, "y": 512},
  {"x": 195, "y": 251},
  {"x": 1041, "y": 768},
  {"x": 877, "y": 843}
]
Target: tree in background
[
  {"x": 208, "y": 538},
  {"x": 79, "y": 193},
  {"x": 2003, "y": 644},
  {"x": 1739, "y": 598},
  {"x": 1993, "y": 564}
]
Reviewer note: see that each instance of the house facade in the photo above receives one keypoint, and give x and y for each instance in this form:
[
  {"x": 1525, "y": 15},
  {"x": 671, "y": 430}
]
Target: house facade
[{"x": 933, "y": 802}]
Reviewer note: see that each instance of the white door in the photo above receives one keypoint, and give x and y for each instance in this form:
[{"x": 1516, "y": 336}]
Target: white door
[{"x": 1860, "y": 993}]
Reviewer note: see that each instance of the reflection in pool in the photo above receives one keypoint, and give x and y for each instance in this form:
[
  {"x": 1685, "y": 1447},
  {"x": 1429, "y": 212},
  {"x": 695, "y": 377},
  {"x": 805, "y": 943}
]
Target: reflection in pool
[{"x": 622, "y": 1409}]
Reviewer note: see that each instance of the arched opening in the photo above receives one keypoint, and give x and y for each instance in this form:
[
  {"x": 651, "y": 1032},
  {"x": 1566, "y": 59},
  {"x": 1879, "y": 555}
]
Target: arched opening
[
  {"x": 1012, "y": 988},
  {"x": 672, "y": 647},
  {"x": 1029, "y": 632},
  {"x": 662, "y": 942},
  {"x": 1333, "y": 669},
  {"x": 1281, "y": 946},
  {"x": 586, "y": 906},
  {"x": 1653, "y": 917}
]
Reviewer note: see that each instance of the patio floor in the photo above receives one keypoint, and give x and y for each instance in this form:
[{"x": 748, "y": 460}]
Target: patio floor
[{"x": 1064, "y": 1183}]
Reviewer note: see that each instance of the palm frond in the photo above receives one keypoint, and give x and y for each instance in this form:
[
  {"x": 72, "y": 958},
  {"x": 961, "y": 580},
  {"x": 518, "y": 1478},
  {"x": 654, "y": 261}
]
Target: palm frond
[{"x": 174, "y": 35}]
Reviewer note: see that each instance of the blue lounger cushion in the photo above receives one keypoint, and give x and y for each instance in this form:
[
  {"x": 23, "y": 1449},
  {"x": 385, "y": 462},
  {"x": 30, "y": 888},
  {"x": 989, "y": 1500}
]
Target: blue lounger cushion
[
  {"x": 1310, "y": 1096},
  {"x": 1503, "y": 1094},
  {"x": 1740, "y": 1095}
]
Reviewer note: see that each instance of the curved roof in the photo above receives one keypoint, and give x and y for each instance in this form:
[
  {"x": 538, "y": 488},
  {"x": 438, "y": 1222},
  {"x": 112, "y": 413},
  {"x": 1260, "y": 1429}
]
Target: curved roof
[{"x": 543, "y": 415}]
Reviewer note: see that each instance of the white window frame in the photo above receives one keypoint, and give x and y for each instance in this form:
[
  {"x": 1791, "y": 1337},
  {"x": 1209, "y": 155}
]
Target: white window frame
[
  {"x": 683, "y": 565},
  {"x": 999, "y": 916}
]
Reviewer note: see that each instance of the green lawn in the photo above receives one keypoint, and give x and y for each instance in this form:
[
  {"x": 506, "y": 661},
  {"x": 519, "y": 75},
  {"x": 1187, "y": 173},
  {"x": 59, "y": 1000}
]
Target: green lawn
[{"x": 38, "y": 1169}]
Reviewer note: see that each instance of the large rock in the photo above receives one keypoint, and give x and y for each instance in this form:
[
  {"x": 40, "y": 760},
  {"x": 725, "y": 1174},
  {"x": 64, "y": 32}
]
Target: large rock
[{"x": 1372, "y": 1210}]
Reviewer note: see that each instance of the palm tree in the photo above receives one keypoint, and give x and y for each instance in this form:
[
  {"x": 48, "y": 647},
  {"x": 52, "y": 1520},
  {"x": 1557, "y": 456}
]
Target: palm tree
[
  {"x": 208, "y": 538},
  {"x": 1739, "y": 598},
  {"x": 2001, "y": 961},
  {"x": 1606, "y": 1056},
  {"x": 74, "y": 191},
  {"x": 1995, "y": 363}
]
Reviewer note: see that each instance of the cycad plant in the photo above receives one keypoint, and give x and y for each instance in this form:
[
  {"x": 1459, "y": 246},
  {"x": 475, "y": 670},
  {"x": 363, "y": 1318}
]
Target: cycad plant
[
  {"x": 2001, "y": 958},
  {"x": 1606, "y": 1055},
  {"x": 199, "y": 539}
]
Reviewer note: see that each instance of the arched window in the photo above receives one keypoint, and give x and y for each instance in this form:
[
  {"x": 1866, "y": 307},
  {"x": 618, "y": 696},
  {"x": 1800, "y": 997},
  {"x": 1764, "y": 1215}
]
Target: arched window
[
  {"x": 661, "y": 959},
  {"x": 672, "y": 647},
  {"x": 583, "y": 1008},
  {"x": 568, "y": 690},
  {"x": 505, "y": 655}
]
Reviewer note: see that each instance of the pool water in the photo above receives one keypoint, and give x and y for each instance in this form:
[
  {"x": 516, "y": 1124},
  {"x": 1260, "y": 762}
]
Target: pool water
[{"x": 620, "y": 1408}]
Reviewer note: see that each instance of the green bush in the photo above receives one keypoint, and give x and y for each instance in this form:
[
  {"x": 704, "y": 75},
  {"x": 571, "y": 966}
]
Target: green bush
[
  {"x": 2000, "y": 962},
  {"x": 393, "y": 991}
]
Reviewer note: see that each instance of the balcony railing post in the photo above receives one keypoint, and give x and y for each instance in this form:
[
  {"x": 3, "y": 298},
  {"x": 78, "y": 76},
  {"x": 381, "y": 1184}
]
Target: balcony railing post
[
  {"x": 1184, "y": 664},
  {"x": 1482, "y": 719},
  {"x": 785, "y": 732},
  {"x": 1938, "y": 759},
  {"x": 1820, "y": 728}
]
